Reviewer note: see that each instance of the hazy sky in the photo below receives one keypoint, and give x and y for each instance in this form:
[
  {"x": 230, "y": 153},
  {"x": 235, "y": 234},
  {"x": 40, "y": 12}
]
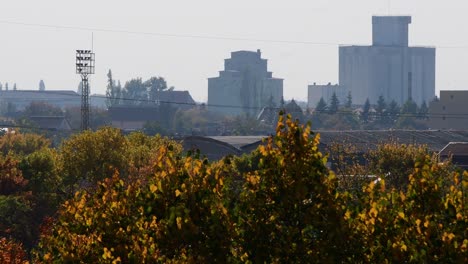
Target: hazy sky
[{"x": 31, "y": 53}]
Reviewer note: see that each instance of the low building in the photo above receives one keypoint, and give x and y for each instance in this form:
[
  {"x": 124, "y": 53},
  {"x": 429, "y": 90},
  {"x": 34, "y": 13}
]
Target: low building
[
  {"x": 211, "y": 148},
  {"x": 179, "y": 99},
  {"x": 449, "y": 111},
  {"x": 132, "y": 118},
  {"x": 20, "y": 99},
  {"x": 318, "y": 91},
  {"x": 457, "y": 152},
  {"x": 362, "y": 141},
  {"x": 51, "y": 122}
]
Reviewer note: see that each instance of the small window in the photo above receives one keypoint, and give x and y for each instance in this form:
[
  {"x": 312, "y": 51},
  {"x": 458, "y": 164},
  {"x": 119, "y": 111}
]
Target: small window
[
  {"x": 451, "y": 96},
  {"x": 443, "y": 118},
  {"x": 443, "y": 107}
]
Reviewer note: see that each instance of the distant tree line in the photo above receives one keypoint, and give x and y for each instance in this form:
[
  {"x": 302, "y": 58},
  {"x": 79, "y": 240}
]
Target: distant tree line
[
  {"x": 135, "y": 91},
  {"x": 381, "y": 115}
]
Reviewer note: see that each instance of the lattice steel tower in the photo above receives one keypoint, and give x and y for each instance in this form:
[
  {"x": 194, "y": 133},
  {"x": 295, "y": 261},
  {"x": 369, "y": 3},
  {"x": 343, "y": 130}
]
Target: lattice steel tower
[{"x": 84, "y": 67}]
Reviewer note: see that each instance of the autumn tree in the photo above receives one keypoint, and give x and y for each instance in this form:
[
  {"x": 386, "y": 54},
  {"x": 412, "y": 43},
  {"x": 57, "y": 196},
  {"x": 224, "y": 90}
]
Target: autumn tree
[
  {"x": 425, "y": 223},
  {"x": 173, "y": 211},
  {"x": 12, "y": 252},
  {"x": 288, "y": 211},
  {"x": 92, "y": 156},
  {"x": 19, "y": 144}
]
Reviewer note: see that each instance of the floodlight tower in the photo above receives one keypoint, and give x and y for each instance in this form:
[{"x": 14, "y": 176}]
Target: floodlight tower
[{"x": 84, "y": 67}]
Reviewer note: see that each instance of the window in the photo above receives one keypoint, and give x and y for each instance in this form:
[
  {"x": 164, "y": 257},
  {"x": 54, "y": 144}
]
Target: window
[
  {"x": 443, "y": 107},
  {"x": 451, "y": 96}
]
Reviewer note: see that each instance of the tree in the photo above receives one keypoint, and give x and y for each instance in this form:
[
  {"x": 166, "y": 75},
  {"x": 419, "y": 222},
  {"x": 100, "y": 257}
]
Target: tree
[
  {"x": 365, "y": 111},
  {"x": 14, "y": 87},
  {"x": 410, "y": 107},
  {"x": 408, "y": 117},
  {"x": 1, "y": 87},
  {"x": 173, "y": 212},
  {"x": 381, "y": 106},
  {"x": 113, "y": 91},
  {"x": 92, "y": 156},
  {"x": 426, "y": 223},
  {"x": 136, "y": 91},
  {"x": 394, "y": 162},
  {"x": 381, "y": 110},
  {"x": 349, "y": 101},
  {"x": 154, "y": 128},
  {"x": 393, "y": 111},
  {"x": 334, "y": 104},
  {"x": 42, "y": 109},
  {"x": 19, "y": 144},
  {"x": 41, "y": 85},
  {"x": 423, "y": 111},
  {"x": 12, "y": 252},
  {"x": 321, "y": 106},
  {"x": 285, "y": 204},
  {"x": 6, "y": 86},
  {"x": 156, "y": 85}
]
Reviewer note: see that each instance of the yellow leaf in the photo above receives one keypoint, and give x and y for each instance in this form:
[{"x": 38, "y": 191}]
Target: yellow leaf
[
  {"x": 403, "y": 247},
  {"x": 401, "y": 215},
  {"x": 153, "y": 188},
  {"x": 347, "y": 215},
  {"x": 177, "y": 193},
  {"x": 179, "y": 222},
  {"x": 224, "y": 210},
  {"x": 426, "y": 224}
]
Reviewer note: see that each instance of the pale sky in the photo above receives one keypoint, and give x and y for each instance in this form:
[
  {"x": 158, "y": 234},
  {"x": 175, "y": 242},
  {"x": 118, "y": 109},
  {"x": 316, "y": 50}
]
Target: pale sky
[{"x": 31, "y": 53}]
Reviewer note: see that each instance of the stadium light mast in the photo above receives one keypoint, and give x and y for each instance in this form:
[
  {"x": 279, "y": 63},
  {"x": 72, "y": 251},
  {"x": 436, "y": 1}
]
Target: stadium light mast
[{"x": 84, "y": 67}]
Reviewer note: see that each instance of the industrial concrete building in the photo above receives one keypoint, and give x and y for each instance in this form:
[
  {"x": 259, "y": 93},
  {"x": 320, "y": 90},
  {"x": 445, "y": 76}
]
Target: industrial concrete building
[
  {"x": 317, "y": 91},
  {"x": 449, "y": 111},
  {"x": 244, "y": 86},
  {"x": 389, "y": 67}
]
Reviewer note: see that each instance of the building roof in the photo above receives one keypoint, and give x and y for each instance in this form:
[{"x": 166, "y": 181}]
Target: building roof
[
  {"x": 368, "y": 139},
  {"x": 38, "y": 95},
  {"x": 134, "y": 113},
  {"x": 455, "y": 148},
  {"x": 238, "y": 141},
  {"x": 179, "y": 98},
  {"x": 211, "y": 148},
  {"x": 364, "y": 140}
]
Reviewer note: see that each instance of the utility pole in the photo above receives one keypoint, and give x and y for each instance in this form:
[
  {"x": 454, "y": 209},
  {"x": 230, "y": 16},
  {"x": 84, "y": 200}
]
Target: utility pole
[{"x": 84, "y": 67}]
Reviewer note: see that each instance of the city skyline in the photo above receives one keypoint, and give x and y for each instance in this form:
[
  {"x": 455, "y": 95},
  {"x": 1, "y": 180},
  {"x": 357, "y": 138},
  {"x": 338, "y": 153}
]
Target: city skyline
[{"x": 187, "y": 44}]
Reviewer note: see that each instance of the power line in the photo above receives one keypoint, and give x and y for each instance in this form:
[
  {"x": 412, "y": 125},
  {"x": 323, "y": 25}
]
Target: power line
[{"x": 194, "y": 36}]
